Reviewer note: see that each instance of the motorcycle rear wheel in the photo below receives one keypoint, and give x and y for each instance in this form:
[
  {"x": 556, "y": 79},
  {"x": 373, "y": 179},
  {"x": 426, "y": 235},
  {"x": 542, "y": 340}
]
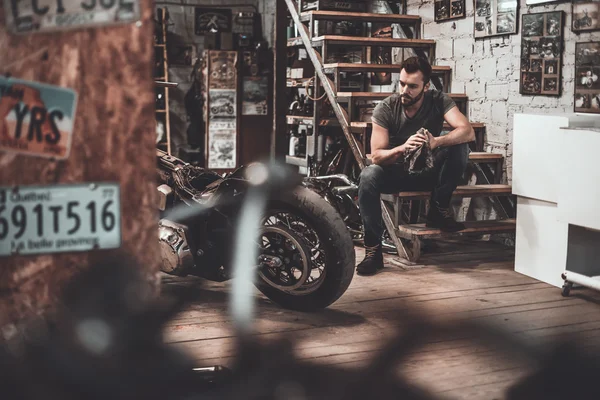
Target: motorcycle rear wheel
[{"x": 317, "y": 225}]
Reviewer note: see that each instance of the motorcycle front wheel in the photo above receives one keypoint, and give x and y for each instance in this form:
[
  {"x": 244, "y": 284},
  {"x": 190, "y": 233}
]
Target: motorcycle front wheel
[{"x": 307, "y": 256}]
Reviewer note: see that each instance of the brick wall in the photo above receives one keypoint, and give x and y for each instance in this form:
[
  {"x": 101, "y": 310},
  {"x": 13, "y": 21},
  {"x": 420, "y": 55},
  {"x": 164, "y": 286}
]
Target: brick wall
[{"x": 487, "y": 70}]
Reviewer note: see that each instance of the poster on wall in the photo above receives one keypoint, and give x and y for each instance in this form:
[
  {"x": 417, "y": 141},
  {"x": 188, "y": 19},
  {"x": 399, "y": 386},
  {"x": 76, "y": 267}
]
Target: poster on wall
[
  {"x": 222, "y": 70},
  {"x": 254, "y": 100},
  {"x": 222, "y": 104},
  {"x": 222, "y": 139},
  {"x": 541, "y": 49},
  {"x": 36, "y": 119},
  {"x": 587, "y": 71},
  {"x": 28, "y": 16},
  {"x": 211, "y": 20},
  {"x": 445, "y": 10},
  {"x": 586, "y": 15},
  {"x": 495, "y": 17}
]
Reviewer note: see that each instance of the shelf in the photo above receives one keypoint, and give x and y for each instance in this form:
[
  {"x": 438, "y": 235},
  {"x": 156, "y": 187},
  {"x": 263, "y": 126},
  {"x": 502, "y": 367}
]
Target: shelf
[
  {"x": 364, "y": 41},
  {"x": 359, "y": 16},
  {"x": 383, "y": 95},
  {"x": 159, "y": 45},
  {"x": 160, "y": 111},
  {"x": 371, "y": 41},
  {"x": 359, "y": 67}
]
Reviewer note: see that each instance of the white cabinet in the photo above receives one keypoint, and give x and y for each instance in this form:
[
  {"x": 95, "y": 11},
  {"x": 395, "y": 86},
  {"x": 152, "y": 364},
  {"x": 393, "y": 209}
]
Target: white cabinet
[{"x": 556, "y": 176}]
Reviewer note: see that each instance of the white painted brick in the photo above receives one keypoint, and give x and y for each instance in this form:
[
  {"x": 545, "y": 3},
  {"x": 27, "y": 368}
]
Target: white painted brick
[
  {"x": 426, "y": 12},
  {"x": 475, "y": 89},
  {"x": 463, "y": 47},
  {"x": 432, "y": 30},
  {"x": 480, "y": 111},
  {"x": 458, "y": 86},
  {"x": 486, "y": 69},
  {"x": 443, "y": 49},
  {"x": 496, "y": 133},
  {"x": 478, "y": 49},
  {"x": 464, "y": 70},
  {"x": 464, "y": 27},
  {"x": 499, "y": 114},
  {"x": 504, "y": 67},
  {"x": 496, "y": 91}
]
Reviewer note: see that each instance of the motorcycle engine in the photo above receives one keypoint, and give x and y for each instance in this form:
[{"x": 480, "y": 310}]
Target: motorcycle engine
[{"x": 176, "y": 257}]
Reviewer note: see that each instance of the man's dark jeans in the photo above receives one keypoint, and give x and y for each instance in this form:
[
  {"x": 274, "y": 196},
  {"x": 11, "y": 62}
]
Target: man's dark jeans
[{"x": 449, "y": 166}]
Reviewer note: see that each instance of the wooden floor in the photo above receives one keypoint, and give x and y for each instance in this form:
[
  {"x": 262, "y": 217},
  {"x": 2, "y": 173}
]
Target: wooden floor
[{"x": 471, "y": 282}]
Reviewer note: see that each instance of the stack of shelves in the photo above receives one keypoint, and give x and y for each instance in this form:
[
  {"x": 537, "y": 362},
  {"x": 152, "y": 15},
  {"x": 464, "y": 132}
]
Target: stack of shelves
[{"x": 161, "y": 73}]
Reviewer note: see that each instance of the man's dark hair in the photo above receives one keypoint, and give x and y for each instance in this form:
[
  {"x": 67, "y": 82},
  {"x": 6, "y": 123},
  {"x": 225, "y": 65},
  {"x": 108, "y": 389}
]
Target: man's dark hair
[{"x": 414, "y": 64}]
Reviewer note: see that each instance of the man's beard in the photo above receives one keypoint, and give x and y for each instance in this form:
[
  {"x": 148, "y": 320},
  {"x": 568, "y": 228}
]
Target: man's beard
[{"x": 413, "y": 101}]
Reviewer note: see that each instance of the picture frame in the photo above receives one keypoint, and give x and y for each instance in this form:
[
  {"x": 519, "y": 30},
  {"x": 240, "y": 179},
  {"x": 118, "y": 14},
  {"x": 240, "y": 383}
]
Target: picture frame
[
  {"x": 541, "y": 53},
  {"x": 585, "y": 16},
  {"x": 446, "y": 10},
  {"x": 537, "y": 2},
  {"x": 587, "y": 82},
  {"x": 212, "y": 20},
  {"x": 495, "y": 18}
]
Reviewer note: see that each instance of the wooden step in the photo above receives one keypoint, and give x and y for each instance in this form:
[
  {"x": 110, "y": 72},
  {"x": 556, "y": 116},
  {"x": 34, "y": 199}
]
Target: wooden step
[
  {"x": 371, "y": 41},
  {"x": 461, "y": 191},
  {"x": 359, "y": 67},
  {"x": 461, "y": 97},
  {"x": 481, "y": 227},
  {"x": 359, "y": 16},
  {"x": 308, "y": 120},
  {"x": 482, "y": 157},
  {"x": 478, "y": 156},
  {"x": 475, "y": 125}
]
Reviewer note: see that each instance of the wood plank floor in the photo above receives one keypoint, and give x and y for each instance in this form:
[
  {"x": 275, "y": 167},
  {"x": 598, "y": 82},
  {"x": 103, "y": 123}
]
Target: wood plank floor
[{"x": 455, "y": 283}]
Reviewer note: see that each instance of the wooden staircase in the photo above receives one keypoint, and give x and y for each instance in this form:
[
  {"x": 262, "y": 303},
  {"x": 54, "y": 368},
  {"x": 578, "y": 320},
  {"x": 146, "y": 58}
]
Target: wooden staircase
[{"x": 401, "y": 211}]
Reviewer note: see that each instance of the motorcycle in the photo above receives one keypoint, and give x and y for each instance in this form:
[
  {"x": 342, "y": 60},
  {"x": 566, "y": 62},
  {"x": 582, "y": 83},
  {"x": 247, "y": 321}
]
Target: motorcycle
[{"x": 306, "y": 256}]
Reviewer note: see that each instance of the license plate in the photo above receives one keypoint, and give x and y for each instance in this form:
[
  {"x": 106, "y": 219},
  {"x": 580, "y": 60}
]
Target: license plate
[
  {"x": 36, "y": 119},
  {"x": 51, "y": 15},
  {"x": 62, "y": 218}
]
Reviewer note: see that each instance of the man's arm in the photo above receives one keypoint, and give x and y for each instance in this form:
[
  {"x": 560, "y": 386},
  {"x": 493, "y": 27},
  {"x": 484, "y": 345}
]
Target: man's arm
[
  {"x": 462, "y": 130},
  {"x": 380, "y": 140}
]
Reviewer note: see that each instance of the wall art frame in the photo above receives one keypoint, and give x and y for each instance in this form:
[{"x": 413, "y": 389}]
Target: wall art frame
[
  {"x": 585, "y": 16},
  {"x": 495, "y": 18},
  {"x": 541, "y": 53},
  {"x": 587, "y": 72},
  {"x": 446, "y": 10}
]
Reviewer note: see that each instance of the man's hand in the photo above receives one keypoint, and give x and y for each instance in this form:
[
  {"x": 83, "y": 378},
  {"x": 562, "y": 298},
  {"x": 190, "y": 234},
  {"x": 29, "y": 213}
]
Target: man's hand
[
  {"x": 433, "y": 141},
  {"x": 414, "y": 141}
]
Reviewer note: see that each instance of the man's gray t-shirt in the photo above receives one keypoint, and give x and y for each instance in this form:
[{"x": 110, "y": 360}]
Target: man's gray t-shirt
[{"x": 389, "y": 114}]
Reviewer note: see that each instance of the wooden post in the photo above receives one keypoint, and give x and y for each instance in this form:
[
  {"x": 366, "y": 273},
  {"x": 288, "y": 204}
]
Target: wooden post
[{"x": 114, "y": 134}]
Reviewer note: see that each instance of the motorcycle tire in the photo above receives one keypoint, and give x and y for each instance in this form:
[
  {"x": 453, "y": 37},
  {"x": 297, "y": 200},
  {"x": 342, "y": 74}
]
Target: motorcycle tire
[{"x": 337, "y": 244}]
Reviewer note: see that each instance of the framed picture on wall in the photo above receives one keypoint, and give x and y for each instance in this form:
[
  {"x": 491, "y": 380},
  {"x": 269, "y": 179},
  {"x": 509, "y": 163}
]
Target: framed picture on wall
[
  {"x": 398, "y": 7},
  {"x": 541, "y": 50},
  {"x": 449, "y": 9},
  {"x": 495, "y": 17},
  {"x": 587, "y": 71},
  {"x": 586, "y": 15}
]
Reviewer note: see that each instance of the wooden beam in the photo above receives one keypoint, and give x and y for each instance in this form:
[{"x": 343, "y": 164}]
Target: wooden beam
[{"x": 113, "y": 140}]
